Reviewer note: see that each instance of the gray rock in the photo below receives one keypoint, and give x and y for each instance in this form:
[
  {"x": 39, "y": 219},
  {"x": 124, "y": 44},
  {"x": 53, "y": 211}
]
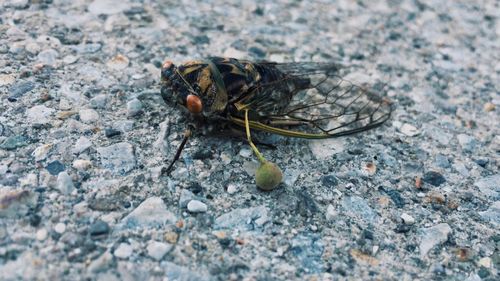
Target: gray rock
[
  {"x": 65, "y": 183},
  {"x": 150, "y": 213},
  {"x": 467, "y": 142},
  {"x": 195, "y": 206},
  {"x": 48, "y": 57},
  {"x": 81, "y": 145},
  {"x": 14, "y": 142},
  {"x": 434, "y": 178},
  {"x": 123, "y": 251},
  {"x": 490, "y": 186},
  {"x": 134, "y": 107},
  {"x": 157, "y": 250},
  {"x": 492, "y": 214},
  {"x": 19, "y": 89},
  {"x": 99, "y": 228},
  {"x": 39, "y": 114},
  {"x": 101, "y": 263},
  {"x": 119, "y": 157},
  {"x": 55, "y": 167},
  {"x": 243, "y": 219},
  {"x": 357, "y": 207},
  {"x": 442, "y": 161},
  {"x": 88, "y": 116},
  {"x": 99, "y": 101},
  {"x": 433, "y": 236}
]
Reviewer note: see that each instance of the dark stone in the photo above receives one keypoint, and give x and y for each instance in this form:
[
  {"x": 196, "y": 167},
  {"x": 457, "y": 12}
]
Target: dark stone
[
  {"x": 110, "y": 132},
  {"x": 105, "y": 204},
  {"x": 482, "y": 162},
  {"x": 434, "y": 178},
  {"x": 203, "y": 39},
  {"x": 14, "y": 142},
  {"x": 202, "y": 154},
  {"x": 483, "y": 272},
  {"x": 258, "y": 52},
  {"x": 99, "y": 228},
  {"x": 35, "y": 220},
  {"x": 306, "y": 206},
  {"x": 19, "y": 89},
  {"x": 402, "y": 228},
  {"x": 367, "y": 234},
  {"x": 55, "y": 167},
  {"x": 195, "y": 188},
  {"x": 396, "y": 198},
  {"x": 329, "y": 181}
]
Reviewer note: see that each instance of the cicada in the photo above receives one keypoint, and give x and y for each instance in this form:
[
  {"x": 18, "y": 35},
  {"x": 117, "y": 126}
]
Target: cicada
[{"x": 305, "y": 100}]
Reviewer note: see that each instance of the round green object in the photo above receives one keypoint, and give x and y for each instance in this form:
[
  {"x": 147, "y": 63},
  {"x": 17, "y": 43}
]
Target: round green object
[{"x": 268, "y": 176}]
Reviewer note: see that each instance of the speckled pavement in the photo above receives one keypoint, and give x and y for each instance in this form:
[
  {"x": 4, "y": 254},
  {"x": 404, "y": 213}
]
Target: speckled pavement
[{"x": 84, "y": 135}]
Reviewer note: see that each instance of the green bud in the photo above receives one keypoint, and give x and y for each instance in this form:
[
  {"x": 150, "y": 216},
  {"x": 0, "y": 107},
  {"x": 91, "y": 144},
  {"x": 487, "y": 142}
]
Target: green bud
[{"x": 268, "y": 176}]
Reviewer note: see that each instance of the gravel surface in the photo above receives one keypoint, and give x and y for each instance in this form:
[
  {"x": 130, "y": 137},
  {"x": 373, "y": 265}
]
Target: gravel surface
[{"x": 84, "y": 135}]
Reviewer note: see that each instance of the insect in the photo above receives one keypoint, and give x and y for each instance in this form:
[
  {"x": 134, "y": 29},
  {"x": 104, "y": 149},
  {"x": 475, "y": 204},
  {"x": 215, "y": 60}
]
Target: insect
[{"x": 305, "y": 100}]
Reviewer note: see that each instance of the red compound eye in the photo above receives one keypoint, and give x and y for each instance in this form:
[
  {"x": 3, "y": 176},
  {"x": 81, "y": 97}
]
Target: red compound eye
[
  {"x": 167, "y": 64},
  {"x": 193, "y": 104}
]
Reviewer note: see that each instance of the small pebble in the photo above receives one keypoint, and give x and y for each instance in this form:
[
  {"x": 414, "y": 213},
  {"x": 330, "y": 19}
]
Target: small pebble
[
  {"x": 110, "y": 132},
  {"x": 232, "y": 188},
  {"x": 65, "y": 183},
  {"x": 244, "y": 152},
  {"x": 6, "y": 79},
  {"x": 409, "y": 130},
  {"x": 486, "y": 262},
  {"x": 88, "y": 116},
  {"x": 81, "y": 145},
  {"x": 82, "y": 164},
  {"x": 119, "y": 62},
  {"x": 488, "y": 107},
  {"x": 157, "y": 250},
  {"x": 98, "y": 228},
  {"x": 41, "y": 234},
  {"x": 60, "y": 228},
  {"x": 195, "y": 206},
  {"x": 55, "y": 167},
  {"x": 123, "y": 251},
  {"x": 434, "y": 178},
  {"x": 407, "y": 219},
  {"x": 134, "y": 107}
]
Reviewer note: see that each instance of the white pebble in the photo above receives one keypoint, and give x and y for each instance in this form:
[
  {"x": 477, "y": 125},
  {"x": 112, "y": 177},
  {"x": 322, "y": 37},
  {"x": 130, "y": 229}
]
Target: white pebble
[
  {"x": 409, "y": 130},
  {"x": 88, "y": 116},
  {"x": 82, "y": 164},
  {"x": 330, "y": 212},
  {"x": 123, "y": 251},
  {"x": 232, "y": 189},
  {"x": 65, "y": 183},
  {"x": 42, "y": 234},
  {"x": 245, "y": 152},
  {"x": 195, "y": 206},
  {"x": 407, "y": 219},
  {"x": 60, "y": 228},
  {"x": 485, "y": 262},
  {"x": 157, "y": 250}
]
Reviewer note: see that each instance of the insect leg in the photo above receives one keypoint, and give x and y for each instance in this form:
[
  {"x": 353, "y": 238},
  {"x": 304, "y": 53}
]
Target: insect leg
[
  {"x": 187, "y": 134},
  {"x": 249, "y": 138}
]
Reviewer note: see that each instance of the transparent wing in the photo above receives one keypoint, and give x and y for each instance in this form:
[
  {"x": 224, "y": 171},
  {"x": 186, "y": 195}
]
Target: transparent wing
[{"x": 321, "y": 105}]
